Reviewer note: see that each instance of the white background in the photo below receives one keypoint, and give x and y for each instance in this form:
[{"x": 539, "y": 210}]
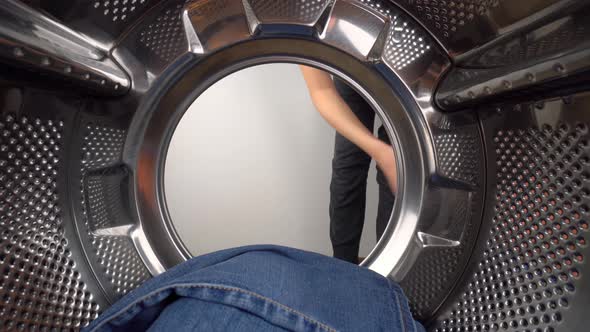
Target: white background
[{"x": 250, "y": 163}]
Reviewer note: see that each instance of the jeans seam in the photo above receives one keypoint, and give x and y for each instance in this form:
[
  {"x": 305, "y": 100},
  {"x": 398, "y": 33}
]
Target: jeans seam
[
  {"x": 399, "y": 310},
  {"x": 218, "y": 287}
]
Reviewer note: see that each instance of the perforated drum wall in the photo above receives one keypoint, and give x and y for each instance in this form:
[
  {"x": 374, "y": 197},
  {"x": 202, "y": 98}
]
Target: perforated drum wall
[
  {"x": 511, "y": 181},
  {"x": 104, "y": 205},
  {"x": 45, "y": 283},
  {"x": 534, "y": 260}
]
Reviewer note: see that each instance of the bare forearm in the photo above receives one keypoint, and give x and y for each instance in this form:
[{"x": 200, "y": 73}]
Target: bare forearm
[
  {"x": 335, "y": 110},
  {"x": 339, "y": 116},
  {"x": 337, "y": 113}
]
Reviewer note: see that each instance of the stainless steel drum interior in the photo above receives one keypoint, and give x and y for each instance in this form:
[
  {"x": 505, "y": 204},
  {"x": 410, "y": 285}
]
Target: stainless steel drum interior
[{"x": 493, "y": 136}]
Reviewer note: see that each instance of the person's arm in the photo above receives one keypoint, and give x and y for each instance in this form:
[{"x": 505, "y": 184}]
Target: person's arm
[{"x": 334, "y": 109}]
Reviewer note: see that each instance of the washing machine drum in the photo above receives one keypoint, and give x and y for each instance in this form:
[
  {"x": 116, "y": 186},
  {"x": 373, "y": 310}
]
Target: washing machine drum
[{"x": 490, "y": 227}]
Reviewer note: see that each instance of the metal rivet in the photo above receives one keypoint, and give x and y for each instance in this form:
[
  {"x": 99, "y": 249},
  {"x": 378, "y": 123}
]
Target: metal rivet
[
  {"x": 487, "y": 90},
  {"x": 45, "y": 61},
  {"x": 86, "y": 76},
  {"x": 67, "y": 69},
  {"x": 558, "y": 67},
  {"x": 530, "y": 77},
  {"x": 18, "y": 52},
  {"x": 506, "y": 84}
]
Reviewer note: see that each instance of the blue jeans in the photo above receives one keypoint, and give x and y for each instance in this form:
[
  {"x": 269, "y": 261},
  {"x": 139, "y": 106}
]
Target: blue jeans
[{"x": 262, "y": 288}]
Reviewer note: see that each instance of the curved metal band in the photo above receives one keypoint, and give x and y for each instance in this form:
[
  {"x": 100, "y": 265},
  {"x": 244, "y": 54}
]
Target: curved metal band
[{"x": 372, "y": 45}]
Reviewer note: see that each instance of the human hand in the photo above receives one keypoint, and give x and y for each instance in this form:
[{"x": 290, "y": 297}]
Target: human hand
[{"x": 385, "y": 158}]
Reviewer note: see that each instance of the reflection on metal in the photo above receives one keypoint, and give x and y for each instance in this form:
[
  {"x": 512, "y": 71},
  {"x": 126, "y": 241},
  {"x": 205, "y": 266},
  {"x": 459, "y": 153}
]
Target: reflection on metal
[
  {"x": 464, "y": 25},
  {"x": 147, "y": 252},
  {"x": 411, "y": 62},
  {"x": 45, "y": 278},
  {"x": 530, "y": 269},
  {"x": 253, "y": 21},
  {"x": 165, "y": 36},
  {"x": 552, "y": 39},
  {"x": 357, "y": 29},
  {"x": 102, "y": 206},
  {"x": 299, "y": 12},
  {"x": 194, "y": 44},
  {"x": 532, "y": 248},
  {"x": 429, "y": 240},
  {"x": 124, "y": 230},
  {"x": 406, "y": 41},
  {"x": 204, "y": 17},
  {"x": 37, "y": 42},
  {"x": 464, "y": 86},
  {"x": 531, "y": 56},
  {"x": 103, "y": 21},
  {"x": 118, "y": 11},
  {"x": 157, "y": 39}
]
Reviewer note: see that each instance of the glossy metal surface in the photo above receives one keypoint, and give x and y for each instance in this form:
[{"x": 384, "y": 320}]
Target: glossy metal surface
[
  {"x": 465, "y": 25},
  {"x": 356, "y": 29},
  {"x": 448, "y": 171},
  {"x": 464, "y": 87},
  {"x": 33, "y": 40},
  {"x": 411, "y": 64},
  {"x": 104, "y": 21},
  {"x": 156, "y": 40},
  {"x": 299, "y": 12},
  {"x": 98, "y": 199},
  {"x": 530, "y": 268},
  {"x": 200, "y": 19},
  {"x": 428, "y": 240},
  {"x": 533, "y": 56},
  {"x": 46, "y": 280}
]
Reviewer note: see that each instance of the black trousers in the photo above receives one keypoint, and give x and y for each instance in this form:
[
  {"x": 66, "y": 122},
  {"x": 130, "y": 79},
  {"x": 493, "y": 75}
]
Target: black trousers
[{"x": 348, "y": 188}]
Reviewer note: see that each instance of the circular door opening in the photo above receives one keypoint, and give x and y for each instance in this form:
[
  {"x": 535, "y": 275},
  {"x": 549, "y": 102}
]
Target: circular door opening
[
  {"x": 153, "y": 128},
  {"x": 255, "y": 160}
]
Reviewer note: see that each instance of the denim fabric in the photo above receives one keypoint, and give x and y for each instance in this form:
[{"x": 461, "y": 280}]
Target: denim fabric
[
  {"x": 348, "y": 187},
  {"x": 262, "y": 288}
]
